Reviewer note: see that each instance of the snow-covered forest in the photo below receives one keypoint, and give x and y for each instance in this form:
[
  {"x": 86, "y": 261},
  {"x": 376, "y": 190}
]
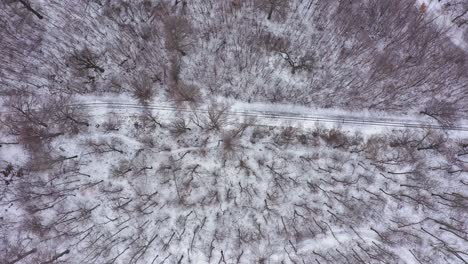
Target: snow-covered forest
[{"x": 128, "y": 132}]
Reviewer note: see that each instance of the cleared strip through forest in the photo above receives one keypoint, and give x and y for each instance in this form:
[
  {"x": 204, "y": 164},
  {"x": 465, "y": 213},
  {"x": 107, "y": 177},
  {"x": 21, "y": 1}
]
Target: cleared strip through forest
[{"x": 287, "y": 117}]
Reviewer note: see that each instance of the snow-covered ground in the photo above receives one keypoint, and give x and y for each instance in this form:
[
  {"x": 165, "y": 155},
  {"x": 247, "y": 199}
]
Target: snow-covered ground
[
  {"x": 366, "y": 122},
  {"x": 134, "y": 191},
  {"x": 303, "y": 141}
]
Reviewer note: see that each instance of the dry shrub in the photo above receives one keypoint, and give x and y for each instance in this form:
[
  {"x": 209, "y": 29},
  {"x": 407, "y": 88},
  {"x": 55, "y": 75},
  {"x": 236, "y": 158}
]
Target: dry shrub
[
  {"x": 186, "y": 93},
  {"x": 303, "y": 139},
  {"x": 374, "y": 145},
  {"x": 258, "y": 134},
  {"x": 286, "y": 136},
  {"x": 121, "y": 169},
  {"x": 148, "y": 141},
  {"x": 357, "y": 139},
  {"x": 318, "y": 130},
  {"x": 335, "y": 137},
  {"x": 113, "y": 123}
]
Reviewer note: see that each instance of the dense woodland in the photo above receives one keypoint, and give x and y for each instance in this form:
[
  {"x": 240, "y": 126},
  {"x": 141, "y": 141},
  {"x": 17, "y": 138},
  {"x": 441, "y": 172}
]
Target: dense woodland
[
  {"x": 349, "y": 54},
  {"x": 80, "y": 185}
]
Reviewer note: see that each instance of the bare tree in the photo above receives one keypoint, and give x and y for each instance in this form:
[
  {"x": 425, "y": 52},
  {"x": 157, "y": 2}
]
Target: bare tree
[
  {"x": 230, "y": 143},
  {"x": 85, "y": 69},
  {"x": 66, "y": 117},
  {"x": 143, "y": 89},
  {"x": 306, "y": 62},
  {"x": 26, "y": 107},
  {"x": 105, "y": 145},
  {"x": 22, "y": 256},
  {"x": 461, "y": 22},
  {"x": 178, "y": 32},
  {"x": 217, "y": 116},
  {"x": 178, "y": 127},
  {"x": 85, "y": 59},
  {"x": 180, "y": 91},
  {"x": 444, "y": 112}
]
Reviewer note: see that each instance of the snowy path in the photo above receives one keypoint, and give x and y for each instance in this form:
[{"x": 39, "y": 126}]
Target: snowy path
[{"x": 293, "y": 118}]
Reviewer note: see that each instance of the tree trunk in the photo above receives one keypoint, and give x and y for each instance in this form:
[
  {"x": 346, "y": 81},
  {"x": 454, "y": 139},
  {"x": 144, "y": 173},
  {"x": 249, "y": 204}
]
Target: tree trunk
[
  {"x": 56, "y": 257},
  {"x": 270, "y": 12},
  {"x": 28, "y": 7},
  {"x": 20, "y": 257},
  {"x": 459, "y": 16}
]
